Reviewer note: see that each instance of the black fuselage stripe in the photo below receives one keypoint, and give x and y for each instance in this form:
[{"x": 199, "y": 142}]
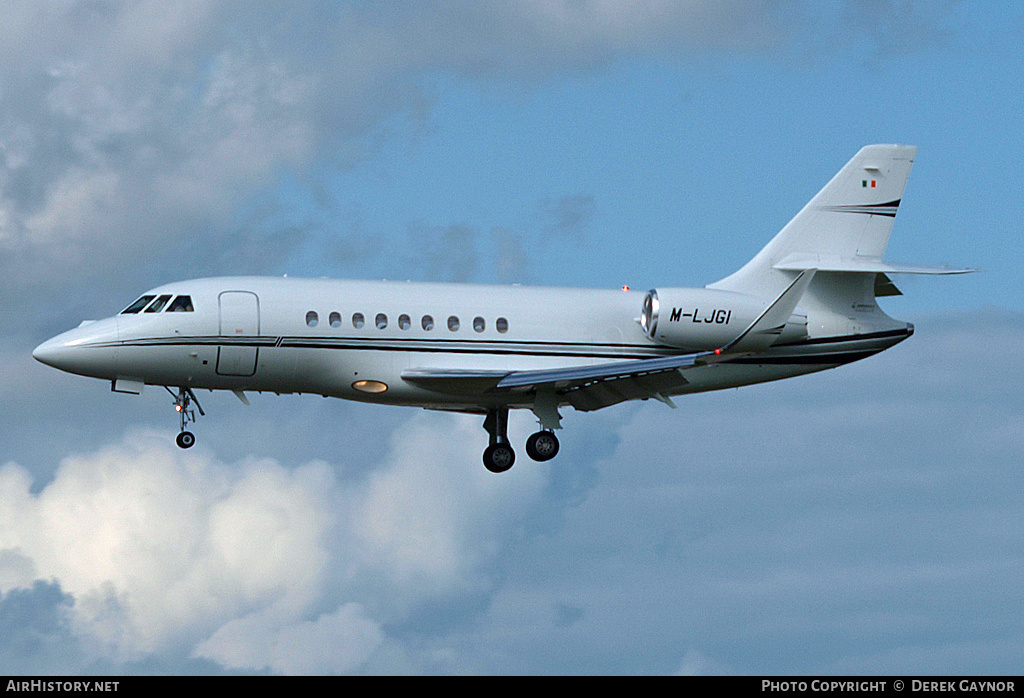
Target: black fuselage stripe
[
  {"x": 467, "y": 350},
  {"x": 851, "y": 338},
  {"x": 364, "y": 345},
  {"x": 795, "y": 359},
  {"x": 328, "y": 342},
  {"x": 582, "y": 350},
  {"x": 842, "y": 357}
]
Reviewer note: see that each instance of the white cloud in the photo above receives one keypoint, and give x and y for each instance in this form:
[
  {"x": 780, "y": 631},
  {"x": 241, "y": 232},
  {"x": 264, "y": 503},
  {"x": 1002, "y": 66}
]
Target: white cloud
[
  {"x": 253, "y": 565},
  {"x": 154, "y": 545},
  {"x": 432, "y": 520},
  {"x": 333, "y": 643}
]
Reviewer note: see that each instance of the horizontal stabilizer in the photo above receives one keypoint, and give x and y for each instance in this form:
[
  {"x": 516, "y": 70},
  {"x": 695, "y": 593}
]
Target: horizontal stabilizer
[{"x": 860, "y": 265}]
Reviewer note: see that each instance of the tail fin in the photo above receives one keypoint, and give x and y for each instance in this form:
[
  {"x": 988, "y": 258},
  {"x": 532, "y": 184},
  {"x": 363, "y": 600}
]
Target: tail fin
[{"x": 846, "y": 225}]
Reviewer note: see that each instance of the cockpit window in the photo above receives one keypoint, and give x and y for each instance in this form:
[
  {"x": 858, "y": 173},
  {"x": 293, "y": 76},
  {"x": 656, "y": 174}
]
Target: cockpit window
[
  {"x": 181, "y": 304},
  {"x": 157, "y": 305},
  {"x": 137, "y": 305}
]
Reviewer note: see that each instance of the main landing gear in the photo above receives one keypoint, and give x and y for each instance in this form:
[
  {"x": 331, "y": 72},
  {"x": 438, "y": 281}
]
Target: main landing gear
[
  {"x": 499, "y": 456},
  {"x": 183, "y": 400},
  {"x": 542, "y": 446}
]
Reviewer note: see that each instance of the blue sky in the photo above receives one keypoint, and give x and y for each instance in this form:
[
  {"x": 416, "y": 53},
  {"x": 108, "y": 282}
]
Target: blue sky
[{"x": 865, "y": 520}]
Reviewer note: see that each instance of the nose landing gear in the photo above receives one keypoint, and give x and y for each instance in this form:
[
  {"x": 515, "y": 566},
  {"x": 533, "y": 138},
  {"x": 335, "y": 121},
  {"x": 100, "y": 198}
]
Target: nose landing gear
[{"x": 183, "y": 400}]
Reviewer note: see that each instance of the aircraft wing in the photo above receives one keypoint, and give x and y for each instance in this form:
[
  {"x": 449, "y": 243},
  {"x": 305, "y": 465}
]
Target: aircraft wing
[
  {"x": 584, "y": 387},
  {"x": 592, "y": 387}
]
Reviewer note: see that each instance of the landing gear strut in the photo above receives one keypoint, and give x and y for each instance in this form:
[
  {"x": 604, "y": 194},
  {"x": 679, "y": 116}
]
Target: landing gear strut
[
  {"x": 499, "y": 456},
  {"x": 183, "y": 400}
]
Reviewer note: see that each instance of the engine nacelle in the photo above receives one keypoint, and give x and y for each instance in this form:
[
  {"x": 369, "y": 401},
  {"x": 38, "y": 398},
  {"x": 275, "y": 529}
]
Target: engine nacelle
[{"x": 700, "y": 319}]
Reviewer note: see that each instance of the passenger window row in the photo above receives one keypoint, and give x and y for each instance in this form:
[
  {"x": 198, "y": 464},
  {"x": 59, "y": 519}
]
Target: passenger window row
[
  {"x": 181, "y": 304},
  {"x": 380, "y": 321}
]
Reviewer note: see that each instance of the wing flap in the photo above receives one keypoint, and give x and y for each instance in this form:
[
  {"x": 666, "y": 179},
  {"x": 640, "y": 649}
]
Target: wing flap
[{"x": 597, "y": 394}]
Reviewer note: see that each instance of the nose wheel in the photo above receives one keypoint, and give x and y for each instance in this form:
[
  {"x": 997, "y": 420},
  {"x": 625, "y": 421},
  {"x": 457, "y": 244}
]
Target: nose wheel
[{"x": 183, "y": 400}]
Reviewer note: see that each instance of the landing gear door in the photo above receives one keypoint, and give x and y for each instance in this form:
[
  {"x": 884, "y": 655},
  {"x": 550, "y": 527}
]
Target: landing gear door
[{"x": 239, "y": 333}]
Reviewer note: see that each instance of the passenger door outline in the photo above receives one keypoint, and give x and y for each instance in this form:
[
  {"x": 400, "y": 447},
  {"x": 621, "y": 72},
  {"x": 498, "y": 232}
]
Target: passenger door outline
[{"x": 239, "y": 329}]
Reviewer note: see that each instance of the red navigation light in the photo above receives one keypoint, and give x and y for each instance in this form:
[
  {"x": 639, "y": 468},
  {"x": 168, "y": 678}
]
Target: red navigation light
[
  {"x": 718, "y": 351},
  {"x": 625, "y": 288}
]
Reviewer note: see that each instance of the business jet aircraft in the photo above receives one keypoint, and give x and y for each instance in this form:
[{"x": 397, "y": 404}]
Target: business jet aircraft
[{"x": 805, "y": 303}]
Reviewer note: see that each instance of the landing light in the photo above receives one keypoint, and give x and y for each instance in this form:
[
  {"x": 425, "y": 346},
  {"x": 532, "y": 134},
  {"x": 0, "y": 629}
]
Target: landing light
[{"x": 374, "y": 387}]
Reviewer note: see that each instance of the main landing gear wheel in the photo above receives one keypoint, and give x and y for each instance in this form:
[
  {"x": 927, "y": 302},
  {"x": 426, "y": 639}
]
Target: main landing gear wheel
[
  {"x": 542, "y": 446},
  {"x": 499, "y": 457},
  {"x": 185, "y": 439}
]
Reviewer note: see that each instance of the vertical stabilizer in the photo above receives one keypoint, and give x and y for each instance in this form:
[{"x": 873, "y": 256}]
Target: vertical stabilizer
[{"x": 848, "y": 221}]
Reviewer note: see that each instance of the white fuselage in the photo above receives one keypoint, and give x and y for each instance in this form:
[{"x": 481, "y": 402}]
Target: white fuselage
[
  {"x": 288, "y": 335},
  {"x": 804, "y": 303}
]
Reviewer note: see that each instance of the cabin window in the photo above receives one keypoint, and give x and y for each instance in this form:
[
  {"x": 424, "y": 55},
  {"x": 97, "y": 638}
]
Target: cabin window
[
  {"x": 181, "y": 304},
  {"x": 478, "y": 324},
  {"x": 312, "y": 319},
  {"x": 501, "y": 325},
  {"x": 335, "y": 320},
  {"x": 358, "y": 320},
  {"x": 404, "y": 322},
  {"x": 157, "y": 305},
  {"x": 137, "y": 305},
  {"x": 453, "y": 323},
  {"x": 427, "y": 323},
  {"x": 381, "y": 321}
]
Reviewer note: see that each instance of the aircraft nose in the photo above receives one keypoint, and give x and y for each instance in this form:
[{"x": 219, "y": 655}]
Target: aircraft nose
[
  {"x": 89, "y": 349},
  {"x": 51, "y": 352}
]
